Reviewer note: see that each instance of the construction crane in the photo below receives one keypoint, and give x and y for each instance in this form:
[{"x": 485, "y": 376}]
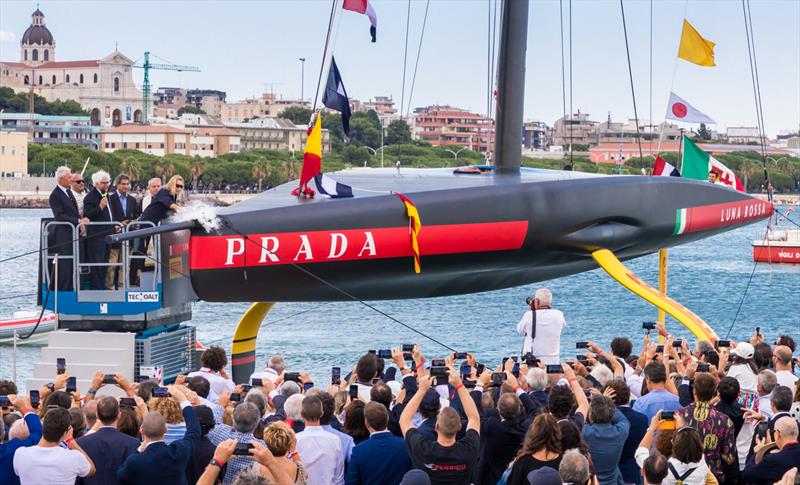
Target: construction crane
[{"x": 147, "y": 65}]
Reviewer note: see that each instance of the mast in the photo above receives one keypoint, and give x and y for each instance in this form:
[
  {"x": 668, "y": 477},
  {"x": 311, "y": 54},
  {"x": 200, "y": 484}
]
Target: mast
[{"x": 511, "y": 86}]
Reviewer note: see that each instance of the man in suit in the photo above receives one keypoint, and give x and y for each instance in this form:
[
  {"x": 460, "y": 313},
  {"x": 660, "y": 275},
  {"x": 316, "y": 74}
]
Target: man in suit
[
  {"x": 502, "y": 429},
  {"x": 631, "y": 473},
  {"x": 772, "y": 466},
  {"x": 65, "y": 209},
  {"x": 124, "y": 208},
  {"x": 156, "y": 461},
  {"x": 107, "y": 447},
  {"x": 96, "y": 209},
  {"x": 382, "y": 459}
]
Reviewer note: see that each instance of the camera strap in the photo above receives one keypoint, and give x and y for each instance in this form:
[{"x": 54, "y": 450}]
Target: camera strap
[{"x": 533, "y": 333}]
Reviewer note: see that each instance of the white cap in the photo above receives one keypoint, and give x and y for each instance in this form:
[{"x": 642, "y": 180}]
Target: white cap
[{"x": 744, "y": 350}]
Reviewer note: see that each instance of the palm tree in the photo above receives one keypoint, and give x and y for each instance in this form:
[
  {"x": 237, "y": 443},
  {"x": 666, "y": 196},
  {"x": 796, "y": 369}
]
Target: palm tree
[
  {"x": 261, "y": 170},
  {"x": 131, "y": 167},
  {"x": 196, "y": 169},
  {"x": 747, "y": 168}
]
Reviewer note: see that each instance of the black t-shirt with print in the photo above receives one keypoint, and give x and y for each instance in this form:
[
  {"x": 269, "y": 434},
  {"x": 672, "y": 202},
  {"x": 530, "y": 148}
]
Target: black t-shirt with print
[{"x": 444, "y": 464}]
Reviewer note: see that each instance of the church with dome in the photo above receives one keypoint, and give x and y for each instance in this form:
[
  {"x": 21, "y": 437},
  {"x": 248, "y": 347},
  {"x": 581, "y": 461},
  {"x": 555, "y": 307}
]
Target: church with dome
[{"x": 103, "y": 87}]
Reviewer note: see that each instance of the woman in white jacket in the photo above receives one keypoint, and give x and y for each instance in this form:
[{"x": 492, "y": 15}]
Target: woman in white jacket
[{"x": 686, "y": 465}]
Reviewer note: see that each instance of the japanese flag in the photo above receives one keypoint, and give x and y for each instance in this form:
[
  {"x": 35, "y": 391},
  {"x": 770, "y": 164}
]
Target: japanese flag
[{"x": 680, "y": 110}]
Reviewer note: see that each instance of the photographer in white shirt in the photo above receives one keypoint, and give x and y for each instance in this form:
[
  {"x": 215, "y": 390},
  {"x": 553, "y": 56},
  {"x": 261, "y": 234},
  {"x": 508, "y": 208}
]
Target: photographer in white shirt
[{"x": 543, "y": 341}]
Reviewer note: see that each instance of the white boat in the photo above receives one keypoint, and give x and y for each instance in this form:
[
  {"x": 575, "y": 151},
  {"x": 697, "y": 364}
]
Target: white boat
[{"x": 23, "y": 322}]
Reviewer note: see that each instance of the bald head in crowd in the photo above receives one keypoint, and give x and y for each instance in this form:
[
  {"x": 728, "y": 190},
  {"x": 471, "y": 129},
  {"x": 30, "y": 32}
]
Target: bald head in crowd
[
  {"x": 154, "y": 426},
  {"x": 787, "y": 430}
]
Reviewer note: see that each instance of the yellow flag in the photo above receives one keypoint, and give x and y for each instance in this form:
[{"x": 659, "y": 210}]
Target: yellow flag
[{"x": 694, "y": 48}]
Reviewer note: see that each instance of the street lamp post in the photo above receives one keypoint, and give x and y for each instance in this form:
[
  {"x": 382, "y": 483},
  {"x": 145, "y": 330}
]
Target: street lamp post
[
  {"x": 302, "y": 77},
  {"x": 381, "y": 142}
]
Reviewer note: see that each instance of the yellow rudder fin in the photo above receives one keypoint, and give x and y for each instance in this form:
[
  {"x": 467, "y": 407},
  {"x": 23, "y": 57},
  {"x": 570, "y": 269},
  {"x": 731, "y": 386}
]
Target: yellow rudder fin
[{"x": 614, "y": 267}]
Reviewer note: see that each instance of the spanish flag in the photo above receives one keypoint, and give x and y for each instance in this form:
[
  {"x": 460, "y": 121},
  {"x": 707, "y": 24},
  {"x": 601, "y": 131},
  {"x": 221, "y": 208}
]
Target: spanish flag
[
  {"x": 312, "y": 157},
  {"x": 694, "y": 48},
  {"x": 415, "y": 225}
]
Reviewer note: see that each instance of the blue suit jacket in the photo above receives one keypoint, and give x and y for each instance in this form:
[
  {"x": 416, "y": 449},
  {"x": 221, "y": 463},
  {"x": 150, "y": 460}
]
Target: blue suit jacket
[
  {"x": 108, "y": 449},
  {"x": 631, "y": 473},
  {"x": 7, "y": 475},
  {"x": 773, "y": 466},
  {"x": 380, "y": 460},
  {"x": 162, "y": 463}
]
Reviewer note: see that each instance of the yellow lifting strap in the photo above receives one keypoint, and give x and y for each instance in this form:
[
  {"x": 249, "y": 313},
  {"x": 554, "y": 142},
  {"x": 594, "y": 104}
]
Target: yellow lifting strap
[
  {"x": 243, "y": 349},
  {"x": 614, "y": 267}
]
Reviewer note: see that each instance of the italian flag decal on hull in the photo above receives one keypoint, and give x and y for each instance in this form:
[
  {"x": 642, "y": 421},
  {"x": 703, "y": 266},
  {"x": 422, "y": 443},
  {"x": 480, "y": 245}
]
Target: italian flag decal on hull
[
  {"x": 709, "y": 217},
  {"x": 680, "y": 222}
]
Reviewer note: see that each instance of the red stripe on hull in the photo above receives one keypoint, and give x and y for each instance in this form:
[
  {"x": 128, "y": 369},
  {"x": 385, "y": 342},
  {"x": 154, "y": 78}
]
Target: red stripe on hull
[
  {"x": 776, "y": 254},
  {"x": 219, "y": 252},
  {"x": 715, "y": 216}
]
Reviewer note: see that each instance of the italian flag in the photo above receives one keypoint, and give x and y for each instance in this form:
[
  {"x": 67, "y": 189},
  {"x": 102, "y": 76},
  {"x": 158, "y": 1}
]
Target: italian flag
[{"x": 697, "y": 164}]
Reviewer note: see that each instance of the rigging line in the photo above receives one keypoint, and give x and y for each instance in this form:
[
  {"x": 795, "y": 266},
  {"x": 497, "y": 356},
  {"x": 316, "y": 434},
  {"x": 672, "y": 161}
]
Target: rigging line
[
  {"x": 651, "y": 75},
  {"x": 571, "y": 124},
  {"x": 563, "y": 75},
  {"x": 672, "y": 82},
  {"x": 630, "y": 74},
  {"x": 80, "y": 238},
  {"x": 405, "y": 60},
  {"x": 747, "y": 287},
  {"x": 16, "y": 296},
  {"x": 763, "y": 128},
  {"x": 750, "y": 55},
  {"x": 489, "y": 59},
  {"x": 342, "y": 291},
  {"x": 324, "y": 55},
  {"x": 416, "y": 63}
]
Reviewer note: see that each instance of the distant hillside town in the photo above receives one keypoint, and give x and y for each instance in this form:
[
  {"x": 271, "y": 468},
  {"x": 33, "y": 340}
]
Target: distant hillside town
[{"x": 101, "y": 108}]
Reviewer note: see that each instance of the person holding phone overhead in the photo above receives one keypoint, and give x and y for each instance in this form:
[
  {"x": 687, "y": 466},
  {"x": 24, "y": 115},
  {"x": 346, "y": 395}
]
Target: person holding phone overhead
[{"x": 542, "y": 326}]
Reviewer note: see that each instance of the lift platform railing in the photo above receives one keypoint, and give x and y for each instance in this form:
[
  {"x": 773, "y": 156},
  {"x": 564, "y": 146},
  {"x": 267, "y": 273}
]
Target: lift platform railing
[{"x": 135, "y": 255}]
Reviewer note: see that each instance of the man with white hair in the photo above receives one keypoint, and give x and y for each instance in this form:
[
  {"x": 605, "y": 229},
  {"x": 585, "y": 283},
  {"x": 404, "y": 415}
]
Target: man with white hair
[
  {"x": 153, "y": 186},
  {"x": 96, "y": 209},
  {"x": 542, "y": 327},
  {"x": 771, "y": 466},
  {"x": 65, "y": 209},
  {"x": 275, "y": 367}
]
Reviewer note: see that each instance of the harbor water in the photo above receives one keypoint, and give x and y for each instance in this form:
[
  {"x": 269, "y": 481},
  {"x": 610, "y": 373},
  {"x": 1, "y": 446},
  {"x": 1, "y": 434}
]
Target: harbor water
[{"x": 708, "y": 276}]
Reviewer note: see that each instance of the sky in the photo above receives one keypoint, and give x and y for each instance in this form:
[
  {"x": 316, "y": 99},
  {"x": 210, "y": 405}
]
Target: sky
[{"x": 247, "y": 47}]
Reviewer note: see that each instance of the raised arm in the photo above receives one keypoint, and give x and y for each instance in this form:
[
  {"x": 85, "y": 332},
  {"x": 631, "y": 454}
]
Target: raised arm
[
  {"x": 413, "y": 405},
  {"x": 470, "y": 410},
  {"x": 577, "y": 391}
]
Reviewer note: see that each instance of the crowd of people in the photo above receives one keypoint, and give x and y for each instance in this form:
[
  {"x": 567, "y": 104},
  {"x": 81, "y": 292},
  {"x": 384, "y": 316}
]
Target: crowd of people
[
  {"x": 97, "y": 211},
  {"x": 713, "y": 412}
]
